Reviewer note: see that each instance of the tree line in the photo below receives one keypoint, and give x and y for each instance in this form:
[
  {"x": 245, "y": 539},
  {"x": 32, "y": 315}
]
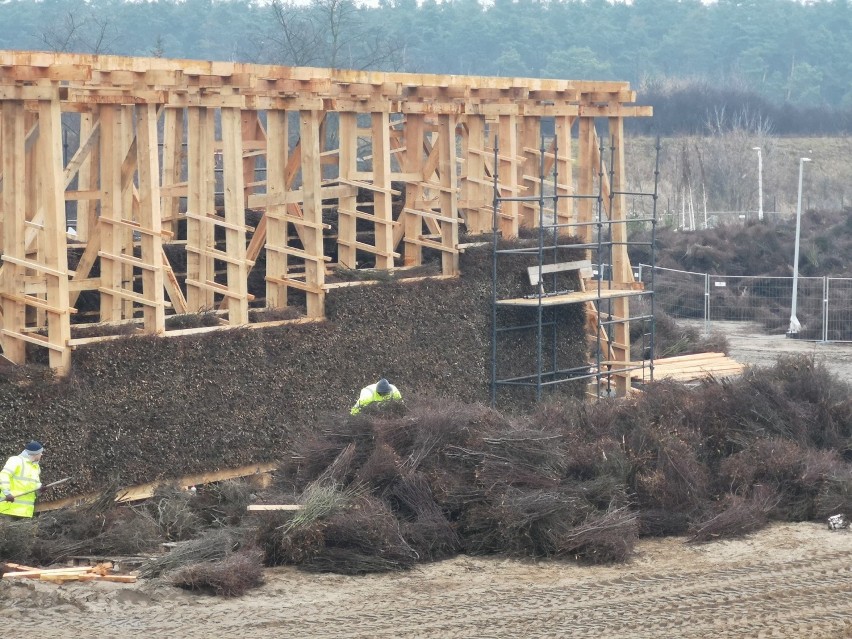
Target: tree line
[{"x": 779, "y": 62}]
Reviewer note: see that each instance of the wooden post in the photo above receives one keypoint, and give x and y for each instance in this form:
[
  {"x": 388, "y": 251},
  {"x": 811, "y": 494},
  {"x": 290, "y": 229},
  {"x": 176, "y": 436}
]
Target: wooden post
[
  {"x": 111, "y": 208},
  {"x": 412, "y": 224},
  {"x": 477, "y": 188},
  {"x": 173, "y": 157},
  {"x": 507, "y": 138},
  {"x": 87, "y": 175},
  {"x": 51, "y": 188},
  {"x": 530, "y": 170},
  {"x": 150, "y": 220},
  {"x": 586, "y": 179},
  {"x": 14, "y": 218},
  {"x": 382, "y": 199},
  {"x": 449, "y": 223},
  {"x": 347, "y": 204},
  {"x": 621, "y": 269},
  {"x": 235, "y": 234},
  {"x": 312, "y": 212},
  {"x": 565, "y": 213},
  {"x": 277, "y": 152},
  {"x": 200, "y": 205}
]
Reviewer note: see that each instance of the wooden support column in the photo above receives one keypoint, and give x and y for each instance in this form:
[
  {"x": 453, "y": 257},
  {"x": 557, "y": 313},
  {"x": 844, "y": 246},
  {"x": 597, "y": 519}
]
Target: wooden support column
[
  {"x": 477, "y": 189},
  {"x": 564, "y": 166},
  {"x": 55, "y": 251},
  {"x": 173, "y": 156},
  {"x": 621, "y": 270},
  {"x": 1, "y": 186},
  {"x": 87, "y": 174},
  {"x": 129, "y": 211},
  {"x": 200, "y": 206},
  {"x": 449, "y": 223},
  {"x": 1, "y": 182},
  {"x": 382, "y": 198},
  {"x": 530, "y": 172},
  {"x": 14, "y": 217},
  {"x": 309, "y": 125},
  {"x": 412, "y": 224},
  {"x": 235, "y": 234},
  {"x": 507, "y": 139},
  {"x": 347, "y": 204},
  {"x": 586, "y": 179},
  {"x": 277, "y": 152},
  {"x": 150, "y": 220},
  {"x": 111, "y": 212},
  {"x": 253, "y": 142}
]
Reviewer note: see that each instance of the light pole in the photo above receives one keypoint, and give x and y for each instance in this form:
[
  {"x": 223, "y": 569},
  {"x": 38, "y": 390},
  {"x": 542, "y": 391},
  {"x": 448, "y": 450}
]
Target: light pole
[
  {"x": 759, "y": 182},
  {"x": 794, "y": 321}
]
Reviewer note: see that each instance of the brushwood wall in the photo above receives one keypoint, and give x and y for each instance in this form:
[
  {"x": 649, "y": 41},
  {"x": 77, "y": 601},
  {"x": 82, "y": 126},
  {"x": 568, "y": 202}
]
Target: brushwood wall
[{"x": 143, "y": 408}]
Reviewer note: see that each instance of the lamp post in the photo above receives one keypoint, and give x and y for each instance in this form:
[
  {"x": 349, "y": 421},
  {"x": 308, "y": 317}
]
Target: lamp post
[
  {"x": 794, "y": 321},
  {"x": 759, "y": 182}
]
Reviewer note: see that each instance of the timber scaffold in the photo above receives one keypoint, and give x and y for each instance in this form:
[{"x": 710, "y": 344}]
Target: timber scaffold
[{"x": 171, "y": 153}]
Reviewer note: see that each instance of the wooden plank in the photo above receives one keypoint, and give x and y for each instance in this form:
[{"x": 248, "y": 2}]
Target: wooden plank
[
  {"x": 260, "y": 507},
  {"x": 545, "y": 269},
  {"x": 38, "y": 572},
  {"x": 17, "y": 567},
  {"x": 146, "y": 491},
  {"x": 569, "y": 298}
]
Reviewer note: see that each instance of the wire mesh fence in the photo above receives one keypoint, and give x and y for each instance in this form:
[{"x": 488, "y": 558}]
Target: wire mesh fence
[{"x": 823, "y": 304}]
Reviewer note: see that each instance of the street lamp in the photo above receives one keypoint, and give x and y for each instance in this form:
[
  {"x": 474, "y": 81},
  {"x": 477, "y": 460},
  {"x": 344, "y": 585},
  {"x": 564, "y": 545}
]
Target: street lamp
[
  {"x": 794, "y": 321},
  {"x": 759, "y": 182}
]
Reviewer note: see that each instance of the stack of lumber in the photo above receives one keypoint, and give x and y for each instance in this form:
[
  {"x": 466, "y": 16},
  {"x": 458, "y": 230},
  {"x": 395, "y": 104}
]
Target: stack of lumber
[
  {"x": 688, "y": 368},
  {"x": 99, "y": 572}
]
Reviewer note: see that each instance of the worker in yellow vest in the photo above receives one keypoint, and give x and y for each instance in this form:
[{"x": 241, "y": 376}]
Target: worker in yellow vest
[
  {"x": 381, "y": 391},
  {"x": 20, "y": 482}
]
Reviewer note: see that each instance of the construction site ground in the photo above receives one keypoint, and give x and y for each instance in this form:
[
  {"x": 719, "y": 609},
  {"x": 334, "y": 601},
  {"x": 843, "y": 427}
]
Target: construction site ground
[{"x": 788, "y": 580}]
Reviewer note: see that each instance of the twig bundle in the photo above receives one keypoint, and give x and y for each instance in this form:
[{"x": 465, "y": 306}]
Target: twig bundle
[
  {"x": 213, "y": 545},
  {"x": 231, "y": 576}
]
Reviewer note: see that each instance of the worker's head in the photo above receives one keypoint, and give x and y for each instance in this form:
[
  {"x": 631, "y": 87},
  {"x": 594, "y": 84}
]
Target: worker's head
[
  {"x": 383, "y": 387},
  {"x": 33, "y": 450}
]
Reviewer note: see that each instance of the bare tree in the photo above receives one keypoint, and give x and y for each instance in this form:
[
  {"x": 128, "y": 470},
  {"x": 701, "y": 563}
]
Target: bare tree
[
  {"x": 328, "y": 33},
  {"x": 89, "y": 33}
]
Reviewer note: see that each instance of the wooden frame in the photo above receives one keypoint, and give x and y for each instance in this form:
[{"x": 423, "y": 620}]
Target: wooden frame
[{"x": 349, "y": 169}]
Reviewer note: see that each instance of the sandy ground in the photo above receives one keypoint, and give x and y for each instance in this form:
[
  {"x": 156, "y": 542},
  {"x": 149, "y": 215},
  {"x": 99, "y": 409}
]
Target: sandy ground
[
  {"x": 789, "y": 580},
  {"x": 749, "y": 345}
]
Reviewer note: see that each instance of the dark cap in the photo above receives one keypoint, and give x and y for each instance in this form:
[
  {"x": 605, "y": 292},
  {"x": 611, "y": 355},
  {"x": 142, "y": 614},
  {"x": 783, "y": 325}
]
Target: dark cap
[
  {"x": 34, "y": 447},
  {"x": 383, "y": 387}
]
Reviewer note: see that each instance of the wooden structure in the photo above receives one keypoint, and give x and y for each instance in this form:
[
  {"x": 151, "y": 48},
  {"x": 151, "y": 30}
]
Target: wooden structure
[{"x": 343, "y": 169}]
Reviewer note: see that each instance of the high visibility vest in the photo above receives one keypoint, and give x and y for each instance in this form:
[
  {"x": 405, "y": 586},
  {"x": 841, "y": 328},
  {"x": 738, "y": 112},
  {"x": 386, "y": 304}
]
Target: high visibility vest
[
  {"x": 369, "y": 394},
  {"x": 19, "y": 475}
]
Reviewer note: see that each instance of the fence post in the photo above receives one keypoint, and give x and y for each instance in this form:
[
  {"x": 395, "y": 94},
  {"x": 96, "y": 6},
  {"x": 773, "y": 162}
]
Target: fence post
[
  {"x": 706, "y": 304},
  {"x": 825, "y": 308}
]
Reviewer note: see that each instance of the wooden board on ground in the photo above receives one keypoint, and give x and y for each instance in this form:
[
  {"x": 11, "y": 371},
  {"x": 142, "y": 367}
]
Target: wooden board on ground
[
  {"x": 99, "y": 572},
  {"x": 146, "y": 491},
  {"x": 687, "y": 368}
]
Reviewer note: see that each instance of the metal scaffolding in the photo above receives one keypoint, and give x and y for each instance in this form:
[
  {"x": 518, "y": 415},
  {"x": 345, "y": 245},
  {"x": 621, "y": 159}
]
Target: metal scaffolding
[{"x": 596, "y": 286}]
